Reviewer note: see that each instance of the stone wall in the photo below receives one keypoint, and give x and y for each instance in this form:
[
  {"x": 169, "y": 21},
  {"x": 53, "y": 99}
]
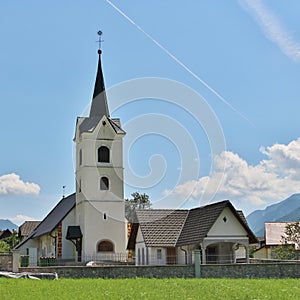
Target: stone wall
[
  {"x": 5, "y": 262},
  {"x": 282, "y": 270},
  {"x": 117, "y": 271},
  {"x": 285, "y": 270}
]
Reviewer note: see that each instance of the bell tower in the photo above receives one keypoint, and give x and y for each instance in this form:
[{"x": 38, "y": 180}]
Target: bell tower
[{"x": 100, "y": 211}]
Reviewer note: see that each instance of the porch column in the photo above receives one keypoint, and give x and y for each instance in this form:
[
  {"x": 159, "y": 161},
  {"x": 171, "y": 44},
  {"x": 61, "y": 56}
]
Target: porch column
[
  {"x": 247, "y": 254},
  {"x": 197, "y": 263},
  {"x": 203, "y": 255},
  {"x": 16, "y": 260}
]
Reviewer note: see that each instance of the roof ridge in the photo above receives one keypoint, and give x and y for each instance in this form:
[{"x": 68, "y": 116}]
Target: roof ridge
[
  {"x": 162, "y": 209},
  {"x": 211, "y": 204},
  {"x": 53, "y": 209}
]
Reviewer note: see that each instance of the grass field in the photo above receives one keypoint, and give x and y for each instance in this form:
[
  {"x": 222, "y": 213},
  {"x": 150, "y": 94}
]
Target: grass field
[{"x": 150, "y": 289}]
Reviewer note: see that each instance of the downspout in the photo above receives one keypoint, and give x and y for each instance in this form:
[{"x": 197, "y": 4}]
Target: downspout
[{"x": 185, "y": 254}]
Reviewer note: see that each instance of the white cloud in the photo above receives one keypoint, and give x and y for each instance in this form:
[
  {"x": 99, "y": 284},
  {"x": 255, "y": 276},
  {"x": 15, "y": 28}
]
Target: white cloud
[
  {"x": 283, "y": 159},
  {"x": 12, "y": 184},
  {"x": 271, "y": 180},
  {"x": 20, "y": 219},
  {"x": 272, "y": 27}
]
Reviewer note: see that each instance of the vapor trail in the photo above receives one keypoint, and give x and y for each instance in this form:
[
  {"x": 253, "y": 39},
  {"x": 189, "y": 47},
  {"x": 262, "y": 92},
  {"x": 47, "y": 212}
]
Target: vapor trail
[
  {"x": 178, "y": 61},
  {"x": 272, "y": 28}
]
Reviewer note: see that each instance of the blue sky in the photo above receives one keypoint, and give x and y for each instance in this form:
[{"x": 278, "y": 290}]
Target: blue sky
[{"x": 247, "y": 53}]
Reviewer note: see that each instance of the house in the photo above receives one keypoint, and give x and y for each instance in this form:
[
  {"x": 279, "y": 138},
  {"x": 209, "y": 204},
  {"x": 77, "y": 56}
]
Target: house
[
  {"x": 5, "y": 234},
  {"x": 27, "y": 228},
  {"x": 274, "y": 233},
  {"x": 89, "y": 224},
  {"x": 162, "y": 236}
]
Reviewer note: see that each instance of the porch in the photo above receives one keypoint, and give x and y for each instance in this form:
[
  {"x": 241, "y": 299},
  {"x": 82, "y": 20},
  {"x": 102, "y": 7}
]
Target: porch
[{"x": 212, "y": 252}]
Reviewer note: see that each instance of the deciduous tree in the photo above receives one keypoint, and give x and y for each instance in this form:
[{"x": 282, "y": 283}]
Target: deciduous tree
[
  {"x": 290, "y": 247},
  {"x": 138, "y": 201}
]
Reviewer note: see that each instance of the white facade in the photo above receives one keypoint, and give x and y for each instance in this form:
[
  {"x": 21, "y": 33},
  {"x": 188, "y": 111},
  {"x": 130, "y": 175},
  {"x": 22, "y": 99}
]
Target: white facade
[
  {"x": 68, "y": 250},
  {"x": 100, "y": 213}
]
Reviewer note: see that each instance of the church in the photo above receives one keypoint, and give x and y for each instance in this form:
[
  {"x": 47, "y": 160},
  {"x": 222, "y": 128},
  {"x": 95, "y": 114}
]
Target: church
[{"x": 89, "y": 224}]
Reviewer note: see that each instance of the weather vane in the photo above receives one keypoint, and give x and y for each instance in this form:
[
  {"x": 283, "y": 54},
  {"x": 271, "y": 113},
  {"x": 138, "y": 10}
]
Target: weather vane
[{"x": 100, "y": 39}]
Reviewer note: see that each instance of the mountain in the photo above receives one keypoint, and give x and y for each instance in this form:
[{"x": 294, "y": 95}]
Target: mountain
[
  {"x": 284, "y": 211},
  {"x": 6, "y": 224},
  {"x": 293, "y": 216}
]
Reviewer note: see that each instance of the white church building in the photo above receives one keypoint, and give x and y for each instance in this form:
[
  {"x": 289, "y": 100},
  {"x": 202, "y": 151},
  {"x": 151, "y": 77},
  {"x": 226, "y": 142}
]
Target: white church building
[{"x": 89, "y": 224}]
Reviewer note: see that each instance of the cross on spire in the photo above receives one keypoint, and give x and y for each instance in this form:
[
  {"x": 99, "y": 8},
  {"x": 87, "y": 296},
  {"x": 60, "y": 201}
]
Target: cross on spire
[{"x": 100, "y": 39}]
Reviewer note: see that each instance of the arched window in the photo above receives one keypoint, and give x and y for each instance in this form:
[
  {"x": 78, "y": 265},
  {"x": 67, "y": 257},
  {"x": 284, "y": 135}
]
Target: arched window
[
  {"x": 104, "y": 184},
  {"x": 103, "y": 154},
  {"x": 105, "y": 246},
  {"x": 80, "y": 157}
]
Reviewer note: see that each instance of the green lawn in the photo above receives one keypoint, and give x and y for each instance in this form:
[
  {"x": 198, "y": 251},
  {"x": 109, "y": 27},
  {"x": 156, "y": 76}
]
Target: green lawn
[{"x": 150, "y": 289}]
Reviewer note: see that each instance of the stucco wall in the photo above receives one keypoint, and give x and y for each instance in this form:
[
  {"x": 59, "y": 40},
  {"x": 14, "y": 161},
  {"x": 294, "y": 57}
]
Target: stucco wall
[{"x": 227, "y": 225}]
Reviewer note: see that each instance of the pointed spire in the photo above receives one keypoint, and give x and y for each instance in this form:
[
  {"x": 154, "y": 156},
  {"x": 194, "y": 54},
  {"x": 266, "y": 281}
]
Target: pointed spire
[{"x": 99, "y": 105}]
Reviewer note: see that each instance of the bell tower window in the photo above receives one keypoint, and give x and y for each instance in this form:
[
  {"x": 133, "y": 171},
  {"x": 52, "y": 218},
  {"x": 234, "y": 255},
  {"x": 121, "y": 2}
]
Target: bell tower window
[
  {"x": 104, "y": 184},
  {"x": 103, "y": 154}
]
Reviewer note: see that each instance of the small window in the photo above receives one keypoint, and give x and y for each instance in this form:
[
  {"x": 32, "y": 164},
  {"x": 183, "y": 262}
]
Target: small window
[
  {"x": 80, "y": 157},
  {"x": 158, "y": 254},
  {"x": 104, "y": 216},
  {"x": 105, "y": 246},
  {"x": 103, "y": 154},
  {"x": 104, "y": 184},
  {"x": 79, "y": 186}
]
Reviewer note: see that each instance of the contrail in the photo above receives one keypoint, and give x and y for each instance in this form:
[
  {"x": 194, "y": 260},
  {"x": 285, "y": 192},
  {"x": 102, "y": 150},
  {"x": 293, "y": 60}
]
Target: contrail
[
  {"x": 177, "y": 60},
  {"x": 272, "y": 27}
]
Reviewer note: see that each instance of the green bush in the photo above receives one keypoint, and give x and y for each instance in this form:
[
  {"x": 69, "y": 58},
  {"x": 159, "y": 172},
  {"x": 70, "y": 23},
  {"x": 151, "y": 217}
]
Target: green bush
[
  {"x": 4, "y": 247},
  {"x": 24, "y": 260},
  {"x": 47, "y": 261}
]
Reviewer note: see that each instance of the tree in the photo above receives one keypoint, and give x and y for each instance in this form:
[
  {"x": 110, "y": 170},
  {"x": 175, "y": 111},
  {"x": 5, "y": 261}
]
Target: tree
[
  {"x": 292, "y": 234},
  {"x": 4, "y": 247},
  {"x": 138, "y": 201},
  {"x": 290, "y": 243},
  {"x": 13, "y": 240}
]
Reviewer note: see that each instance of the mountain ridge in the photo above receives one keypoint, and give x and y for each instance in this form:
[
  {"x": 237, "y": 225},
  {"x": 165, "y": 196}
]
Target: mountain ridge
[
  {"x": 285, "y": 211},
  {"x": 7, "y": 224}
]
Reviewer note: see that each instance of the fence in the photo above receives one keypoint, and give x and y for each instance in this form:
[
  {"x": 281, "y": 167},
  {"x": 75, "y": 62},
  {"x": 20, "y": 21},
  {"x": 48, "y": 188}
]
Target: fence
[
  {"x": 144, "y": 258},
  {"x": 96, "y": 259}
]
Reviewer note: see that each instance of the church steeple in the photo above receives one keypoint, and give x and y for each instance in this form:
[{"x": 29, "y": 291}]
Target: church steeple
[
  {"x": 99, "y": 175},
  {"x": 99, "y": 105}
]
